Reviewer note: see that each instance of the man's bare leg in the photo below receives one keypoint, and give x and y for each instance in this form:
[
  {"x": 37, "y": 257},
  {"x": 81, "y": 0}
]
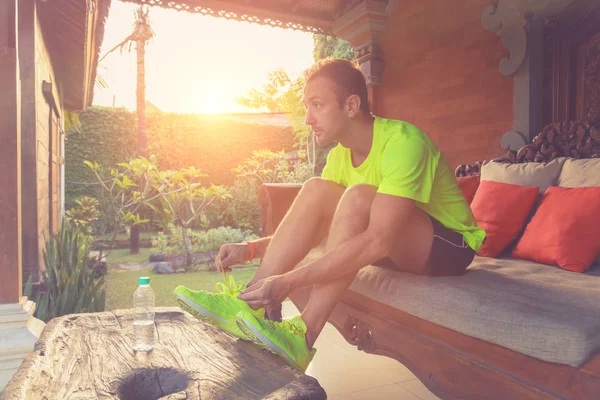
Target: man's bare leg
[
  {"x": 305, "y": 225},
  {"x": 351, "y": 219}
]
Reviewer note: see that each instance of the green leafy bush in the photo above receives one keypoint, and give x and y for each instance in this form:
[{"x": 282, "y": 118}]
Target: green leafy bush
[
  {"x": 107, "y": 136},
  {"x": 171, "y": 242},
  {"x": 212, "y": 239},
  {"x": 68, "y": 284},
  {"x": 244, "y": 208},
  {"x": 84, "y": 215},
  {"x": 264, "y": 166},
  {"x": 214, "y": 144}
]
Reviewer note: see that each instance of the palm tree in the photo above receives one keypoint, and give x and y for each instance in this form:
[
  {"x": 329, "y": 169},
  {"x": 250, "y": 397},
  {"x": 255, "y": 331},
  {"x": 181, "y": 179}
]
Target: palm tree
[{"x": 141, "y": 35}]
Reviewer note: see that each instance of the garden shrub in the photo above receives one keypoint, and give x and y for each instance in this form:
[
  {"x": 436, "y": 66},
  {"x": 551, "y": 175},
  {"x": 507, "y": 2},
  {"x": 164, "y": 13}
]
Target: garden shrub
[{"x": 171, "y": 242}]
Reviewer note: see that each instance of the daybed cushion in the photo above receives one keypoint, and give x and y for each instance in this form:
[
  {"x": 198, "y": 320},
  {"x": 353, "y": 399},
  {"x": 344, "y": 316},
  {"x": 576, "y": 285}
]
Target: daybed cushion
[
  {"x": 542, "y": 175},
  {"x": 539, "y": 310},
  {"x": 501, "y": 209},
  {"x": 468, "y": 185},
  {"x": 580, "y": 173},
  {"x": 565, "y": 230}
]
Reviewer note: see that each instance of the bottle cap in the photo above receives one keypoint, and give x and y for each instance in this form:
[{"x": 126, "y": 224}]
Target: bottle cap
[{"x": 144, "y": 280}]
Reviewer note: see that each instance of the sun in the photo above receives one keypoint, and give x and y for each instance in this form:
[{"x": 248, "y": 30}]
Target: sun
[{"x": 212, "y": 104}]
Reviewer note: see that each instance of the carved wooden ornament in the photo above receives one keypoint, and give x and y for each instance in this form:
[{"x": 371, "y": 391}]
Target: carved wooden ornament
[
  {"x": 359, "y": 334},
  {"x": 509, "y": 22}
]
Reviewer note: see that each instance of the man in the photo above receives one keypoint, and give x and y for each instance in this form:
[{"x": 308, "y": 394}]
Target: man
[{"x": 386, "y": 197}]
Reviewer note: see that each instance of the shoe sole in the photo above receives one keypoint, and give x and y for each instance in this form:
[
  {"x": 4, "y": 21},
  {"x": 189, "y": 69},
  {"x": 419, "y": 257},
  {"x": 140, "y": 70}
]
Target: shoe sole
[
  {"x": 204, "y": 315},
  {"x": 257, "y": 337},
  {"x": 199, "y": 311}
]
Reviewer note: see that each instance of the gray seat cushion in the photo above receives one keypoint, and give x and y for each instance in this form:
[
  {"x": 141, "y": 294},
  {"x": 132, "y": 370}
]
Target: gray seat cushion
[{"x": 539, "y": 310}]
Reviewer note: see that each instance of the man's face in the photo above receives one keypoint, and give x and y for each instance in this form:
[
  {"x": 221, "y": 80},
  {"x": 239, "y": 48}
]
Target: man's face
[{"x": 324, "y": 114}]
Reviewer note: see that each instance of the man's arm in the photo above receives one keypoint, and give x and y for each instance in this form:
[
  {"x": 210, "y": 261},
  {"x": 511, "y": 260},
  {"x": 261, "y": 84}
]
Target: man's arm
[
  {"x": 239, "y": 253},
  {"x": 260, "y": 246}
]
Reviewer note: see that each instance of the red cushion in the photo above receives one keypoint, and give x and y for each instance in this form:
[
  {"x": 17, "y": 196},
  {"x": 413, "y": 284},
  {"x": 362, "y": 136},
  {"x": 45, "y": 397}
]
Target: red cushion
[
  {"x": 468, "y": 185},
  {"x": 501, "y": 209},
  {"x": 565, "y": 230}
]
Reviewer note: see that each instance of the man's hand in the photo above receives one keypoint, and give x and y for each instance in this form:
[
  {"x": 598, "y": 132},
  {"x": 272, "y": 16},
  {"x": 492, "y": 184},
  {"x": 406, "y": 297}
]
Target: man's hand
[
  {"x": 232, "y": 254},
  {"x": 269, "y": 292}
]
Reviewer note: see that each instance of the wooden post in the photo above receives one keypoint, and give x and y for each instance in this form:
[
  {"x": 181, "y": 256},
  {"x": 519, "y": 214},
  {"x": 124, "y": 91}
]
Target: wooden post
[
  {"x": 29, "y": 156},
  {"x": 10, "y": 158},
  {"x": 363, "y": 28},
  {"x": 19, "y": 330}
]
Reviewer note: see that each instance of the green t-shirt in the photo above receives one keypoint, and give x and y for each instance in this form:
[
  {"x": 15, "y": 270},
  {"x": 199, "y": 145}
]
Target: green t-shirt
[{"x": 405, "y": 162}]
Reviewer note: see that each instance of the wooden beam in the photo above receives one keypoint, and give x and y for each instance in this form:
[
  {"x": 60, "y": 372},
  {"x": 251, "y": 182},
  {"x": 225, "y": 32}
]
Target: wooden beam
[
  {"x": 317, "y": 21},
  {"x": 29, "y": 142},
  {"x": 295, "y": 6},
  {"x": 10, "y": 158},
  {"x": 340, "y": 9}
]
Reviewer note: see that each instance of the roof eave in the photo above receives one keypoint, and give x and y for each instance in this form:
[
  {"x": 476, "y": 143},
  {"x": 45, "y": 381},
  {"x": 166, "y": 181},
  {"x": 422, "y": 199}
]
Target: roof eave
[
  {"x": 76, "y": 51},
  {"x": 301, "y": 20}
]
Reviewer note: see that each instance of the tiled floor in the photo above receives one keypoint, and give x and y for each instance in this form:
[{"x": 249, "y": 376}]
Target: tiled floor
[{"x": 346, "y": 373}]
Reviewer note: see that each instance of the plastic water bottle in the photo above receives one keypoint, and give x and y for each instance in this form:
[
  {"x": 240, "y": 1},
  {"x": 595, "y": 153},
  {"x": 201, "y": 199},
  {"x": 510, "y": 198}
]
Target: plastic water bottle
[{"x": 143, "y": 323}]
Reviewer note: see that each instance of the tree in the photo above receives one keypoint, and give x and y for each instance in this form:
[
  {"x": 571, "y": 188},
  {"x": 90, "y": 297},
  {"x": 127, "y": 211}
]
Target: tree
[
  {"x": 123, "y": 190},
  {"x": 183, "y": 199},
  {"x": 141, "y": 35},
  {"x": 272, "y": 96},
  {"x": 283, "y": 94},
  {"x": 176, "y": 196},
  {"x": 329, "y": 46}
]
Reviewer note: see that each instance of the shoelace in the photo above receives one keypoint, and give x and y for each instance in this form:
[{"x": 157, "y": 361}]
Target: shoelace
[
  {"x": 287, "y": 326},
  {"x": 229, "y": 286}
]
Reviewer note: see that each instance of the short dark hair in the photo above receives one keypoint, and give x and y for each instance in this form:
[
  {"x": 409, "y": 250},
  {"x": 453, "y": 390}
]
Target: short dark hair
[{"x": 347, "y": 78}]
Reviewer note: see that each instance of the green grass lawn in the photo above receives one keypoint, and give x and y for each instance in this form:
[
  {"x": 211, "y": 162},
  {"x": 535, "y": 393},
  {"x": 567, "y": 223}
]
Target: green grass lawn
[
  {"x": 121, "y": 285},
  {"x": 124, "y": 255},
  {"x": 125, "y": 236}
]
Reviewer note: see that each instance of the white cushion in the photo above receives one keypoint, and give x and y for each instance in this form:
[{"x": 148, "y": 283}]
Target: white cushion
[
  {"x": 541, "y": 175},
  {"x": 580, "y": 173}
]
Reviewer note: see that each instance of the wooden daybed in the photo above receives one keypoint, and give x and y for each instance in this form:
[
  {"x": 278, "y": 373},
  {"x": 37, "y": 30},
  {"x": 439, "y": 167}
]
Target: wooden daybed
[{"x": 451, "y": 364}]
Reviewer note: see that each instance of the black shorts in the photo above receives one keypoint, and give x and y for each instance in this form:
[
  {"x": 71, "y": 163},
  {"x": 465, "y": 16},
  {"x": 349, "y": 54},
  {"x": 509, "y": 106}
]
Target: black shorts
[{"x": 450, "y": 255}]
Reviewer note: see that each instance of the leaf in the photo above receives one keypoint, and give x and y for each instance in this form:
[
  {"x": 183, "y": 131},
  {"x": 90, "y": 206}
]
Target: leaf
[
  {"x": 128, "y": 182},
  {"x": 67, "y": 281},
  {"x": 28, "y": 285}
]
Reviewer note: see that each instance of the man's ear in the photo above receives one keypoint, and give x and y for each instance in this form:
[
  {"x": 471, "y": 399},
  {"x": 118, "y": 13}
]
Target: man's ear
[{"x": 353, "y": 105}]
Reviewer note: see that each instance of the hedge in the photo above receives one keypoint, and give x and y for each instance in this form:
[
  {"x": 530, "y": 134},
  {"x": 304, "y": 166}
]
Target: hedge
[{"x": 214, "y": 144}]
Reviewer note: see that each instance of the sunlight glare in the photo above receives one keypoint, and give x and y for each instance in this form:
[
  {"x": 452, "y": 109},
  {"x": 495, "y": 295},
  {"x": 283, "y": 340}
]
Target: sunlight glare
[
  {"x": 198, "y": 76},
  {"x": 212, "y": 104}
]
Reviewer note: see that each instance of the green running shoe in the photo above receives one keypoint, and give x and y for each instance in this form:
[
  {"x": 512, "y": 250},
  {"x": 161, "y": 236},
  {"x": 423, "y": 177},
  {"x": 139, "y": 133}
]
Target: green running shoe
[
  {"x": 286, "y": 339},
  {"x": 218, "y": 309}
]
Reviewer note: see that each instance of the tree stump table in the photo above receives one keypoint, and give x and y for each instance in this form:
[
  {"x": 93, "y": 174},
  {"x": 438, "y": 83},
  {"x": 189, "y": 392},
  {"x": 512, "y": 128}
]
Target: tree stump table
[{"x": 91, "y": 356}]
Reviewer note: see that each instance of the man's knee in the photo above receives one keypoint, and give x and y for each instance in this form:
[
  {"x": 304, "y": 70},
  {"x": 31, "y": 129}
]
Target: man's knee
[
  {"x": 320, "y": 196},
  {"x": 359, "y": 198},
  {"x": 320, "y": 189}
]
